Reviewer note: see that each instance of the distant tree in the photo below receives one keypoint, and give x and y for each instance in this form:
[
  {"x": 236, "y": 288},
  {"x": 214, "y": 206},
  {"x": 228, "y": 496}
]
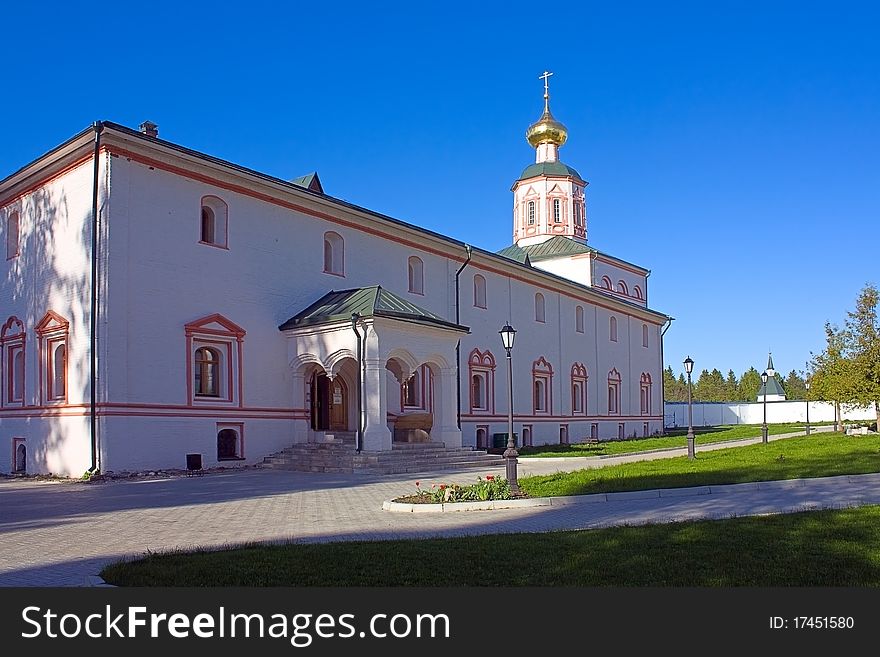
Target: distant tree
[
  {"x": 710, "y": 386},
  {"x": 682, "y": 388},
  {"x": 672, "y": 390},
  {"x": 794, "y": 386},
  {"x": 749, "y": 385},
  {"x": 730, "y": 387}
]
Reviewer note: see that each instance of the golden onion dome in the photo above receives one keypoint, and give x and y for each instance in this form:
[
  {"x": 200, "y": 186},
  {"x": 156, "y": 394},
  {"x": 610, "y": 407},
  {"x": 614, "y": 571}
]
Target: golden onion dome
[{"x": 546, "y": 130}]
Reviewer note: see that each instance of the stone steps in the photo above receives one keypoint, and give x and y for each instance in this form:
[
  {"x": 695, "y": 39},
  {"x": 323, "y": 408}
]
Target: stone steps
[{"x": 339, "y": 457}]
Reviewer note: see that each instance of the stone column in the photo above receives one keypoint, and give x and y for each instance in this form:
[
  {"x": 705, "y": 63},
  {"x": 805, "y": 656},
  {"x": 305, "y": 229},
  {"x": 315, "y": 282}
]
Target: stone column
[
  {"x": 445, "y": 427},
  {"x": 377, "y": 436}
]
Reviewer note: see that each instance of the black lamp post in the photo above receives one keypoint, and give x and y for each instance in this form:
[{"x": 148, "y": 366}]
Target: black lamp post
[
  {"x": 689, "y": 367},
  {"x": 508, "y": 333},
  {"x": 764, "y": 425},
  {"x": 807, "y": 384}
]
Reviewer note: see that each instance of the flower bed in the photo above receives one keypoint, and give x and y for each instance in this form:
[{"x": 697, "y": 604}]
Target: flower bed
[{"x": 484, "y": 490}]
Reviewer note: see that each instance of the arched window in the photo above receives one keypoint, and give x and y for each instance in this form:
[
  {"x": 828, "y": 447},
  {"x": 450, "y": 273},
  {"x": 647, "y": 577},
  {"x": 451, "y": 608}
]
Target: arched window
[
  {"x": 481, "y": 369},
  {"x": 59, "y": 369},
  {"x": 334, "y": 254},
  {"x": 540, "y": 395},
  {"x": 579, "y": 319},
  {"x": 20, "y": 457},
  {"x": 578, "y": 389},
  {"x": 539, "y": 307},
  {"x": 637, "y": 292},
  {"x": 644, "y": 335},
  {"x": 479, "y": 291},
  {"x": 416, "y": 270},
  {"x": 228, "y": 445},
  {"x": 557, "y": 211},
  {"x": 52, "y": 334},
  {"x": 613, "y": 392},
  {"x": 17, "y": 392},
  {"x": 207, "y": 372},
  {"x": 606, "y": 282},
  {"x": 214, "y": 220},
  {"x": 13, "y": 234},
  {"x": 542, "y": 376},
  {"x": 645, "y": 393},
  {"x": 621, "y": 287},
  {"x": 612, "y": 328},
  {"x": 527, "y": 436},
  {"x": 531, "y": 213},
  {"x": 478, "y": 391},
  {"x": 12, "y": 343},
  {"x": 482, "y": 435}
]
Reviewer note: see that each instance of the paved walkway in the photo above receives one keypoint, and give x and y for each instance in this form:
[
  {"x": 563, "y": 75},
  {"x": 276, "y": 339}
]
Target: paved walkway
[{"x": 62, "y": 534}]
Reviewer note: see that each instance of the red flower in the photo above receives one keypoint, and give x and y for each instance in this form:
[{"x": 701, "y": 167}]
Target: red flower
[
  {"x": 442, "y": 486},
  {"x": 417, "y": 483},
  {"x": 490, "y": 477}
]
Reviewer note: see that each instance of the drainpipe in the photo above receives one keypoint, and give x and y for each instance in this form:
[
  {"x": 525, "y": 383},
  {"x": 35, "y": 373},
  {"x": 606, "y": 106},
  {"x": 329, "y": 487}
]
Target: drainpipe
[
  {"x": 662, "y": 363},
  {"x": 359, "y": 438},
  {"x": 458, "y": 344},
  {"x": 93, "y": 328}
]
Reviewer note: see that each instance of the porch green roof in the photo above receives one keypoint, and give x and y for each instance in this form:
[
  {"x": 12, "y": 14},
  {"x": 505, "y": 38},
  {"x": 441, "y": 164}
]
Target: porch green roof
[{"x": 373, "y": 301}]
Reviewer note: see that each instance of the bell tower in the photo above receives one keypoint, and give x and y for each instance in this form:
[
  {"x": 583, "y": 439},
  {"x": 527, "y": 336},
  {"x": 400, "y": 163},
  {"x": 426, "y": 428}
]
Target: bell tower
[{"x": 548, "y": 198}]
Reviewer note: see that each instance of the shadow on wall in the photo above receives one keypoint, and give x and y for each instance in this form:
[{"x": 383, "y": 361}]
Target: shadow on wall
[{"x": 52, "y": 272}]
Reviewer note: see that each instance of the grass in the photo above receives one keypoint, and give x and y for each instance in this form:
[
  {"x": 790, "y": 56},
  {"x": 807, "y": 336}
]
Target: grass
[
  {"x": 818, "y": 548},
  {"x": 819, "y": 455},
  {"x": 674, "y": 438}
]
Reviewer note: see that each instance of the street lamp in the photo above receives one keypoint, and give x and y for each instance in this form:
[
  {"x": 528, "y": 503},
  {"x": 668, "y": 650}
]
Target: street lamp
[
  {"x": 764, "y": 425},
  {"x": 807, "y": 384},
  {"x": 508, "y": 333},
  {"x": 689, "y": 367}
]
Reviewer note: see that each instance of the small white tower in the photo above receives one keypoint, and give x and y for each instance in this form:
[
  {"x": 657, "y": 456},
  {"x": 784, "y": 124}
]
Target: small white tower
[{"x": 548, "y": 198}]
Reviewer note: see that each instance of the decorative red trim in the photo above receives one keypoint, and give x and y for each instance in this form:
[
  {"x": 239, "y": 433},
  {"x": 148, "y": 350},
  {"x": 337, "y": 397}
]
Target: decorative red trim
[
  {"x": 556, "y": 418},
  {"x": 482, "y": 363},
  {"x": 231, "y": 336},
  {"x": 579, "y": 375},
  {"x": 200, "y": 326},
  {"x": 542, "y": 370},
  {"x": 12, "y": 339},
  {"x": 52, "y": 331}
]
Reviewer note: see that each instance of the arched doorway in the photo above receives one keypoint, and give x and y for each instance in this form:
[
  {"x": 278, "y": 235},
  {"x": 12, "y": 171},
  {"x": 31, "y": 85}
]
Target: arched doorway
[
  {"x": 21, "y": 458},
  {"x": 328, "y": 406}
]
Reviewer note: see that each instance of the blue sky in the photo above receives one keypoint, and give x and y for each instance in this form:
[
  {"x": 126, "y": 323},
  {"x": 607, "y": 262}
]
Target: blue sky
[{"x": 733, "y": 149}]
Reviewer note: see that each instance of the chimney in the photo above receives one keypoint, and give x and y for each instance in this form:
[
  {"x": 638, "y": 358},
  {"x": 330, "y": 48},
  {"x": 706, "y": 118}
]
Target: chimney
[{"x": 150, "y": 129}]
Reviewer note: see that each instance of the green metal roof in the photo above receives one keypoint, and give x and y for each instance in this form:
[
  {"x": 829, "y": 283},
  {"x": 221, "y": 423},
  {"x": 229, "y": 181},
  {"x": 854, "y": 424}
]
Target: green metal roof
[
  {"x": 549, "y": 169},
  {"x": 310, "y": 181},
  {"x": 556, "y": 247},
  {"x": 517, "y": 253},
  {"x": 773, "y": 388},
  {"x": 373, "y": 301}
]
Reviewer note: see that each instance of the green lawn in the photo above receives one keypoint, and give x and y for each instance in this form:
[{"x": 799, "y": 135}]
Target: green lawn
[
  {"x": 818, "y": 548},
  {"x": 819, "y": 455},
  {"x": 674, "y": 438}
]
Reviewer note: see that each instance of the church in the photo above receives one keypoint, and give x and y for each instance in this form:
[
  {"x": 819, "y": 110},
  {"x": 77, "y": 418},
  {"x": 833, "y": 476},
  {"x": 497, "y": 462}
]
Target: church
[{"x": 160, "y": 303}]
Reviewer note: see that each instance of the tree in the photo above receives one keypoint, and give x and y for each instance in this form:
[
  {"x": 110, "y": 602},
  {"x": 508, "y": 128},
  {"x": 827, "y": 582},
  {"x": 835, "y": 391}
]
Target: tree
[
  {"x": 831, "y": 379},
  {"x": 861, "y": 347},
  {"x": 710, "y": 386},
  {"x": 730, "y": 387},
  {"x": 749, "y": 385},
  {"x": 673, "y": 390},
  {"x": 794, "y": 386}
]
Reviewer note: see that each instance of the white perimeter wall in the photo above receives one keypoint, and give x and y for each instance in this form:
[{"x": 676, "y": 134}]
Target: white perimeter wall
[{"x": 715, "y": 414}]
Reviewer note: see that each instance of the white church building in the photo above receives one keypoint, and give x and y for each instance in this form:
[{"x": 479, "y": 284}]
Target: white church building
[{"x": 159, "y": 302}]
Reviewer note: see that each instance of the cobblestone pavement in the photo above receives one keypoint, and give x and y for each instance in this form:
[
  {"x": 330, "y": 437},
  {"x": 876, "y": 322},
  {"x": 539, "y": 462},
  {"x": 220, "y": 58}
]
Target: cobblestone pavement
[{"x": 63, "y": 533}]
